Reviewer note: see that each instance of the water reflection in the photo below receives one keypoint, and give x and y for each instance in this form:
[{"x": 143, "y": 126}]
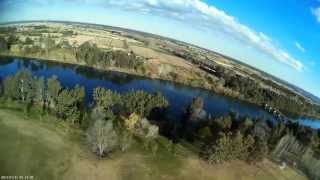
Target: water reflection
[{"x": 179, "y": 96}]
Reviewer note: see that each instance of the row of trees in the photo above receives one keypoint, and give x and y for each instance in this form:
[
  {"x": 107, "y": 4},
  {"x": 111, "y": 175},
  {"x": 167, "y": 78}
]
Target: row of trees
[
  {"x": 233, "y": 137},
  {"x": 87, "y": 52},
  {"x": 249, "y": 89},
  {"x": 118, "y": 117},
  {"x": 110, "y": 124},
  {"x": 64, "y": 103},
  {"x": 94, "y": 56}
]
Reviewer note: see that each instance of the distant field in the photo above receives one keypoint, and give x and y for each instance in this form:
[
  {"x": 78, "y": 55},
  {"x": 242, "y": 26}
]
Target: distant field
[{"x": 31, "y": 146}]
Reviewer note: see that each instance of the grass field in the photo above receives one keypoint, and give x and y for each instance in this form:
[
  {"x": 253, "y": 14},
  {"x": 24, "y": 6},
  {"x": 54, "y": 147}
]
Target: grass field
[{"x": 45, "y": 149}]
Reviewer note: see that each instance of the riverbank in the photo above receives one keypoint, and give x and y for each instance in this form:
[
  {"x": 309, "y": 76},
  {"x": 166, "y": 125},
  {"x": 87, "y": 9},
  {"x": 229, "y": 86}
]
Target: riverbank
[{"x": 192, "y": 78}]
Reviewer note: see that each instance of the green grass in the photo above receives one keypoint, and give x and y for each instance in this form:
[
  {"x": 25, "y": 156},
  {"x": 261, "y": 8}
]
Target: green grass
[
  {"x": 45, "y": 148},
  {"x": 29, "y": 149}
]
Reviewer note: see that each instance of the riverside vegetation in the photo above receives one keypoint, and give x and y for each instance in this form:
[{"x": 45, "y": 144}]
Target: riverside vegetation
[
  {"x": 116, "y": 122},
  {"x": 61, "y": 44}
]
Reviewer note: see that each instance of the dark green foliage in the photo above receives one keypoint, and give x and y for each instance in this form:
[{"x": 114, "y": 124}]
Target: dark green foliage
[
  {"x": 54, "y": 89},
  {"x": 88, "y": 53},
  {"x": 139, "y": 102},
  {"x": 25, "y": 88},
  {"x": 250, "y": 90},
  {"x": 259, "y": 150},
  {"x": 64, "y": 103},
  {"x": 28, "y": 41},
  {"x": 12, "y": 39},
  {"x": 6, "y": 30},
  {"x": 4, "y": 46},
  {"x": 230, "y": 147},
  {"x": 142, "y": 103},
  {"x": 20, "y": 86},
  {"x": 105, "y": 98},
  {"x": 67, "y": 33},
  {"x": 40, "y": 90},
  {"x": 69, "y": 104},
  {"x": 93, "y": 56}
]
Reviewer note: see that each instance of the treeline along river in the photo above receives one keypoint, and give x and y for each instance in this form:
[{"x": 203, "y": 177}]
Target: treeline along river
[{"x": 179, "y": 96}]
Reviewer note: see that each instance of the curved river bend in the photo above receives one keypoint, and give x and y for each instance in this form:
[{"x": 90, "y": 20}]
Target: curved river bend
[{"x": 179, "y": 96}]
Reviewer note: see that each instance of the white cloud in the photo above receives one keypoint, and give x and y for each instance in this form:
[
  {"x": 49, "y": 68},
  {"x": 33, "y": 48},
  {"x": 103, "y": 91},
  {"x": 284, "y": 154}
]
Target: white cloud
[
  {"x": 200, "y": 14},
  {"x": 299, "y": 46},
  {"x": 316, "y": 13}
]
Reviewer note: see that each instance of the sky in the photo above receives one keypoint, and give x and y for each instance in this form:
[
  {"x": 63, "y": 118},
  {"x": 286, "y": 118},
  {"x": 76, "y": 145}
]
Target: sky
[{"x": 279, "y": 37}]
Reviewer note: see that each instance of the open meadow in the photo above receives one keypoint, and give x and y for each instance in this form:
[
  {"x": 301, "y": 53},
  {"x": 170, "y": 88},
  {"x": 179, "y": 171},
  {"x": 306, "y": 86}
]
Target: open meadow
[{"x": 40, "y": 147}]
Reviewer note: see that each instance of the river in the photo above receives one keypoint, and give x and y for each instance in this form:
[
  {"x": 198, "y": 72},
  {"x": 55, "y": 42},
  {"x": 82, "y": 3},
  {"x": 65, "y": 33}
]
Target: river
[{"x": 179, "y": 96}]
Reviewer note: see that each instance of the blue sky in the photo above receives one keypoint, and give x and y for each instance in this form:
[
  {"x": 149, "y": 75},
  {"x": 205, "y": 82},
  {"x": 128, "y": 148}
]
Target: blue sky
[{"x": 279, "y": 37}]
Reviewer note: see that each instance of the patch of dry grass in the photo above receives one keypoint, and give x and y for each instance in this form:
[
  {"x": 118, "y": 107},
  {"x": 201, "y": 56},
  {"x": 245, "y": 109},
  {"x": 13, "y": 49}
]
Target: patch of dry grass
[{"x": 40, "y": 148}]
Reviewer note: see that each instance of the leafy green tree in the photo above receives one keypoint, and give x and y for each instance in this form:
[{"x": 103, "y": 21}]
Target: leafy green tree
[
  {"x": 139, "y": 102},
  {"x": 40, "y": 91},
  {"x": 105, "y": 98},
  {"x": 221, "y": 151},
  {"x": 4, "y": 46},
  {"x": 259, "y": 151},
  {"x": 53, "y": 91},
  {"x": 10, "y": 88},
  {"x": 88, "y": 53},
  {"x": 230, "y": 147},
  {"x": 69, "y": 104},
  {"x": 142, "y": 103},
  {"x": 12, "y": 39},
  {"x": 25, "y": 85}
]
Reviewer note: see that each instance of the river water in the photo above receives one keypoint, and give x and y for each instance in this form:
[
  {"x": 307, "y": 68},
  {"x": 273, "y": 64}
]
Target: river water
[{"x": 179, "y": 96}]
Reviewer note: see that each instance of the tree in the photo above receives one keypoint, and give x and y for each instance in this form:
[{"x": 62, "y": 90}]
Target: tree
[
  {"x": 142, "y": 103},
  {"x": 139, "y": 102},
  {"x": 230, "y": 147},
  {"x": 25, "y": 85},
  {"x": 4, "y": 46},
  {"x": 39, "y": 86},
  {"x": 12, "y": 39},
  {"x": 221, "y": 151},
  {"x": 102, "y": 136},
  {"x": 54, "y": 89},
  {"x": 195, "y": 111},
  {"x": 28, "y": 41},
  {"x": 20, "y": 86},
  {"x": 10, "y": 88},
  {"x": 89, "y": 53},
  {"x": 47, "y": 44},
  {"x": 69, "y": 104},
  {"x": 259, "y": 151},
  {"x": 105, "y": 99}
]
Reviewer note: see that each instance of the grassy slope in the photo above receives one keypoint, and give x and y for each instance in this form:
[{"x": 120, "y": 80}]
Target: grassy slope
[{"x": 46, "y": 150}]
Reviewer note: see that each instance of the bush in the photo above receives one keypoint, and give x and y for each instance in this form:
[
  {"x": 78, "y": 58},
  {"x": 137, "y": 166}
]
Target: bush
[{"x": 229, "y": 147}]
